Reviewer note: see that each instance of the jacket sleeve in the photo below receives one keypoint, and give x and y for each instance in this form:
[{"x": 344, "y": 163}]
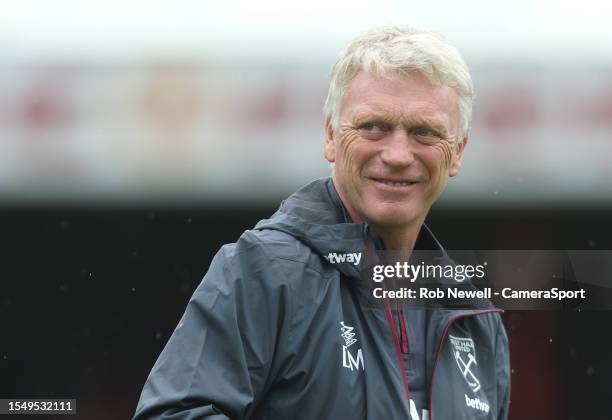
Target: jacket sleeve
[
  {"x": 502, "y": 369},
  {"x": 218, "y": 362}
]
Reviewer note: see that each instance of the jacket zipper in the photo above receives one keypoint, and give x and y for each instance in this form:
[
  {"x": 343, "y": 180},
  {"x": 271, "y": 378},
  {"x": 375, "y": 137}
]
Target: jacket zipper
[
  {"x": 441, "y": 344},
  {"x": 398, "y": 351},
  {"x": 401, "y": 344},
  {"x": 404, "y": 343}
]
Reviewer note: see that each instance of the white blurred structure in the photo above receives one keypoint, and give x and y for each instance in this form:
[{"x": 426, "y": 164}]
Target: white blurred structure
[{"x": 188, "y": 102}]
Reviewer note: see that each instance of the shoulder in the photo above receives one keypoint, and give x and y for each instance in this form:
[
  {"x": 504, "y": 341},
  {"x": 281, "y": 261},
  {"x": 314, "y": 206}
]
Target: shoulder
[
  {"x": 272, "y": 257},
  {"x": 277, "y": 245}
]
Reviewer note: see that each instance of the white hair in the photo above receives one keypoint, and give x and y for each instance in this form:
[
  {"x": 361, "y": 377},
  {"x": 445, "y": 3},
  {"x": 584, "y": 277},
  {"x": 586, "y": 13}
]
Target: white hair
[{"x": 391, "y": 51}]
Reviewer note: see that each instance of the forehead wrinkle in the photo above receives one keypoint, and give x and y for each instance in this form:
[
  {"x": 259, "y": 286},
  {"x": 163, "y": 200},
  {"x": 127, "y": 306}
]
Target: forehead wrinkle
[{"x": 381, "y": 113}]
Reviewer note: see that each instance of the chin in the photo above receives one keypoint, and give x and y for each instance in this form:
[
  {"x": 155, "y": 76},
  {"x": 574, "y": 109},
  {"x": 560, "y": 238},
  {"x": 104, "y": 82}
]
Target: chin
[{"x": 394, "y": 216}]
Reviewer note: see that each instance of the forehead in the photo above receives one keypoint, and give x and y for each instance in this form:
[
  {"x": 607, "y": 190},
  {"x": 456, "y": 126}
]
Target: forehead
[{"x": 407, "y": 96}]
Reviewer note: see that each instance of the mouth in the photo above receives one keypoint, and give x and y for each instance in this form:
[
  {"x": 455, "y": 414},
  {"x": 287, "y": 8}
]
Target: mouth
[{"x": 394, "y": 183}]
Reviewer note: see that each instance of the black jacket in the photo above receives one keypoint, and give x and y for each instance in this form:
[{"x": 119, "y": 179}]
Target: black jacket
[{"x": 275, "y": 331}]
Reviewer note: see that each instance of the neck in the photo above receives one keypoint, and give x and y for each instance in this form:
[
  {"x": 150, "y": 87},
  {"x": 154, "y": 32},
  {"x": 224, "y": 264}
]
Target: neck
[{"x": 398, "y": 238}]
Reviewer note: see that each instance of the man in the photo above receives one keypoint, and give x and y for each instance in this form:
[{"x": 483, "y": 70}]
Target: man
[{"x": 276, "y": 329}]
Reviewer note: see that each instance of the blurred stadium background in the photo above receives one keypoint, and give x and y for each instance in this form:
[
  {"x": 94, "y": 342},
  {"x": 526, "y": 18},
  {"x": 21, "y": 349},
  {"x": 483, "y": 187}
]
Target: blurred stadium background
[{"x": 136, "y": 138}]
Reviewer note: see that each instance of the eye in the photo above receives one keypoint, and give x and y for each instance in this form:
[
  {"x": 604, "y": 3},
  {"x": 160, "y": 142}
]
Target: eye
[
  {"x": 372, "y": 131},
  {"x": 426, "y": 134},
  {"x": 423, "y": 131},
  {"x": 371, "y": 127}
]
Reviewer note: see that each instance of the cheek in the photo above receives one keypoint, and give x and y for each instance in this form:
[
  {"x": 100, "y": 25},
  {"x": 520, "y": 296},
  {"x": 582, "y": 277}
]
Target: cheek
[
  {"x": 348, "y": 136},
  {"x": 444, "y": 151}
]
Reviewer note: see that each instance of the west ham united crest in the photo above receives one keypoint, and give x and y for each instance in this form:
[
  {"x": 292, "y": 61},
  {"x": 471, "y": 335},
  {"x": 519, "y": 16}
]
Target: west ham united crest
[{"x": 465, "y": 356}]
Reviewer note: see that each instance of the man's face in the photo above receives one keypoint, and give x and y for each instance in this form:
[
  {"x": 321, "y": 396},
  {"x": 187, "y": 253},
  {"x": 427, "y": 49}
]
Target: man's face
[{"x": 394, "y": 148}]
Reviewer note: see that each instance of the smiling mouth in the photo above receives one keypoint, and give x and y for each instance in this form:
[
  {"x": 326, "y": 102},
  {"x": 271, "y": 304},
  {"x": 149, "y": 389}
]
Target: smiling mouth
[{"x": 392, "y": 183}]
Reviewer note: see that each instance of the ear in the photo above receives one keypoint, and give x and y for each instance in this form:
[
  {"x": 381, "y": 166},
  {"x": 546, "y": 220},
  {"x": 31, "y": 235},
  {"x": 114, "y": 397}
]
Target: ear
[
  {"x": 458, "y": 157},
  {"x": 329, "y": 148}
]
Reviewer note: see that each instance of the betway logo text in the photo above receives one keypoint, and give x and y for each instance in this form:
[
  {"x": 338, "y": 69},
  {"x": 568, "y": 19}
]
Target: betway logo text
[
  {"x": 353, "y": 258},
  {"x": 476, "y": 403}
]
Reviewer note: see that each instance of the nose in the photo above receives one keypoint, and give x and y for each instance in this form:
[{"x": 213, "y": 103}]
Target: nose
[{"x": 398, "y": 150}]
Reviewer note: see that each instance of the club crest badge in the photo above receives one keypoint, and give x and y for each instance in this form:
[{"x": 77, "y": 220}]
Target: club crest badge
[{"x": 464, "y": 352}]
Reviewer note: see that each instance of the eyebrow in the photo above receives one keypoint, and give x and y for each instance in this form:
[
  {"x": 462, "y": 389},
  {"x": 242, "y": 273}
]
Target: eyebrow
[
  {"x": 433, "y": 123},
  {"x": 410, "y": 122}
]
